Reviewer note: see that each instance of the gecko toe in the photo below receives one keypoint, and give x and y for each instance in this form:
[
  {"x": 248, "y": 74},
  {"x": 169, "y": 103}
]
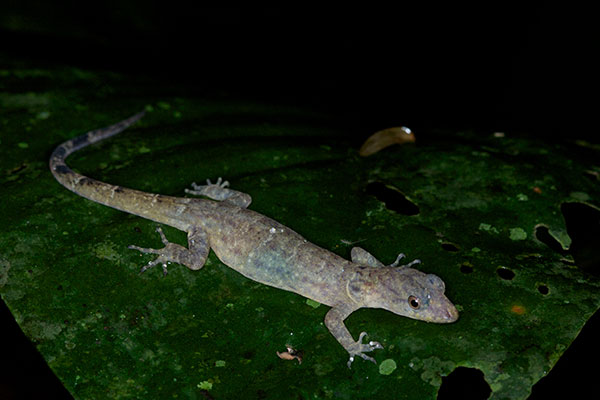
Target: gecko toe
[
  {"x": 368, "y": 358},
  {"x": 375, "y": 345},
  {"x": 397, "y": 261},
  {"x": 147, "y": 267},
  {"x": 144, "y": 250}
]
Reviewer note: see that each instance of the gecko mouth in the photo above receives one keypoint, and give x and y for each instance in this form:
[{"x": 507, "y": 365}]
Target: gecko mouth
[
  {"x": 443, "y": 314},
  {"x": 447, "y": 315},
  {"x": 452, "y": 314}
]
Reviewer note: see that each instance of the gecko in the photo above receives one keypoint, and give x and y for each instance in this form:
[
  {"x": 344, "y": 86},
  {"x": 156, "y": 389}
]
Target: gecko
[{"x": 264, "y": 250}]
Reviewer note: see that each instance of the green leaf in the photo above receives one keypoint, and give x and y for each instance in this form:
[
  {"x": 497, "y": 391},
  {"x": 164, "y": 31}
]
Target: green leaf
[{"x": 106, "y": 331}]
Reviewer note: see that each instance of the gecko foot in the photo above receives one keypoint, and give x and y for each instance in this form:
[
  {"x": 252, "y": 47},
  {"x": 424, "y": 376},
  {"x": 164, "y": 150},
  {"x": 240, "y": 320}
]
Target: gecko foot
[
  {"x": 413, "y": 262},
  {"x": 397, "y": 262},
  {"x": 359, "y": 348},
  {"x": 219, "y": 191},
  {"x": 400, "y": 257},
  {"x": 201, "y": 189},
  {"x": 165, "y": 255}
]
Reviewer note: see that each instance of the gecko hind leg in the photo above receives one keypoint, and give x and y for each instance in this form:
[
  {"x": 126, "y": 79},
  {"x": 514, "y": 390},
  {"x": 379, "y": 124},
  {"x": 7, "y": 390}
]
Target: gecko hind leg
[
  {"x": 219, "y": 191},
  {"x": 193, "y": 257}
]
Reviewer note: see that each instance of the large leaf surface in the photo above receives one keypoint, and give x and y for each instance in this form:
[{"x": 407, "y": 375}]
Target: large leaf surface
[{"x": 73, "y": 286}]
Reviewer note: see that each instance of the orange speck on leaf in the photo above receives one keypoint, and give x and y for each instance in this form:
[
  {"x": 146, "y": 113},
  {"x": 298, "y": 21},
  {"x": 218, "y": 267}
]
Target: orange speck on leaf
[
  {"x": 537, "y": 190},
  {"x": 519, "y": 310}
]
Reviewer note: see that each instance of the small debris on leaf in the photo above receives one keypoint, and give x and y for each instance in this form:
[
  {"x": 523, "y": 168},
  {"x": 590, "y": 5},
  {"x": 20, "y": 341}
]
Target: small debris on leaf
[
  {"x": 291, "y": 354},
  {"x": 385, "y": 138}
]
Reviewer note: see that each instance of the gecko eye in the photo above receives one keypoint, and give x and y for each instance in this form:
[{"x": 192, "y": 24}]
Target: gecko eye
[{"x": 414, "y": 302}]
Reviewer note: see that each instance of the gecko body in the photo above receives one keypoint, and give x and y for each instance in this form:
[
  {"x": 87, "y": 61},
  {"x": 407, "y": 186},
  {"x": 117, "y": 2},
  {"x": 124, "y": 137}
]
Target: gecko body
[{"x": 264, "y": 250}]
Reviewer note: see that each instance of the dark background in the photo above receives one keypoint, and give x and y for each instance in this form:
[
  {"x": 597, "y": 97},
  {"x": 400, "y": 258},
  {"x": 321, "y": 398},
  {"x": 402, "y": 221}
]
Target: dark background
[
  {"x": 520, "y": 68},
  {"x": 527, "y": 70}
]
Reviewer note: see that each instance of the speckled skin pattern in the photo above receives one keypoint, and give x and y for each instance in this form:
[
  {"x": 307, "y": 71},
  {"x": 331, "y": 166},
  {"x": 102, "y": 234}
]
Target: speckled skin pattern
[{"x": 264, "y": 250}]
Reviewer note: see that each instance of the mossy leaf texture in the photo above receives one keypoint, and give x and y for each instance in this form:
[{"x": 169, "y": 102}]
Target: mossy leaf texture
[{"x": 475, "y": 203}]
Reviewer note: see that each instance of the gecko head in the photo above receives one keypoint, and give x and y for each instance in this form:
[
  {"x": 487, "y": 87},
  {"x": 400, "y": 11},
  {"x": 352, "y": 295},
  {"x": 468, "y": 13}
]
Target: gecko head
[
  {"x": 407, "y": 292},
  {"x": 418, "y": 295}
]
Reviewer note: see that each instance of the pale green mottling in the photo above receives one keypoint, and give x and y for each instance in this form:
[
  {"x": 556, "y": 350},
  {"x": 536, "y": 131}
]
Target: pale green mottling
[
  {"x": 312, "y": 303},
  {"x": 561, "y": 237},
  {"x": 43, "y": 115},
  {"x": 107, "y": 250},
  {"x": 4, "y": 269},
  {"x": 42, "y": 330},
  {"x": 434, "y": 369},
  {"x": 488, "y": 228},
  {"x": 205, "y": 385},
  {"x": 580, "y": 196},
  {"x": 517, "y": 234},
  {"x": 387, "y": 366}
]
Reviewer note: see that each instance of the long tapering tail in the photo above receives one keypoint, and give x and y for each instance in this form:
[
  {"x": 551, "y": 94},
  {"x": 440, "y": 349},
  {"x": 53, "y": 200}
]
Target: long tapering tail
[
  {"x": 57, "y": 159},
  {"x": 148, "y": 205}
]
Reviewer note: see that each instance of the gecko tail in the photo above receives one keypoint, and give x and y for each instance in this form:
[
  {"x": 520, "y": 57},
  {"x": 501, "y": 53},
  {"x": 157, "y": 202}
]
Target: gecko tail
[
  {"x": 63, "y": 150},
  {"x": 82, "y": 185},
  {"x": 159, "y": 208}
]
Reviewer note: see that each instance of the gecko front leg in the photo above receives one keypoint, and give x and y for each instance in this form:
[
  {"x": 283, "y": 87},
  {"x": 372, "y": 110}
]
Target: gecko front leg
[
  {"x": 334, "y": 320},
  {"x": 194, "y": 257}
]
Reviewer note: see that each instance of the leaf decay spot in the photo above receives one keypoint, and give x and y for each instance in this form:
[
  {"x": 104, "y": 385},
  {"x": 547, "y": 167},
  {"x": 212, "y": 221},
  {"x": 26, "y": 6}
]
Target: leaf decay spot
[
  {"x": 505, "y": 273},
  {"x": 466, "y": 268},
  {"x": 17, "y": 169},
  {"x": 450, "y": 246},
  {"x": 594, "y": 175},
  {"x": 464, "y": 383},
  {"x": 393, "y": 198},
  {"x": 518, "y": 309}
]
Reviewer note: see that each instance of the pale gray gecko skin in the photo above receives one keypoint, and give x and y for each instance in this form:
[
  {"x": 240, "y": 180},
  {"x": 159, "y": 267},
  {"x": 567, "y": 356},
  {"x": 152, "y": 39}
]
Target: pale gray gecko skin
[{"x": 264, "y": 250}]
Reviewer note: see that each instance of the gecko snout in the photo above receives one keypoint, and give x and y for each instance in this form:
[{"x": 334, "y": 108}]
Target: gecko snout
[{"x": 450, "y": 314}]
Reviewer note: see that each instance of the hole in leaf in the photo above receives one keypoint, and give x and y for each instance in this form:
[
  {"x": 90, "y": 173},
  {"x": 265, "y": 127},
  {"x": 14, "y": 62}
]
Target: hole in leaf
[
  {"x": 393, "y": 198},
  {"x": 466, "y": 268},
  {"x": 543, "y": 289},
  {"x": 593, "y": 175},
  {"x": 542, "y": 233},
  {"x": 505, "y": 273},
  {"x": 571, "y": 372},
  {"x": 450, "y": 246},
  {"x": 466, "y": 384},
  {"x": 21, "y": 361},
  {"x": 583, "y": 226}
]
